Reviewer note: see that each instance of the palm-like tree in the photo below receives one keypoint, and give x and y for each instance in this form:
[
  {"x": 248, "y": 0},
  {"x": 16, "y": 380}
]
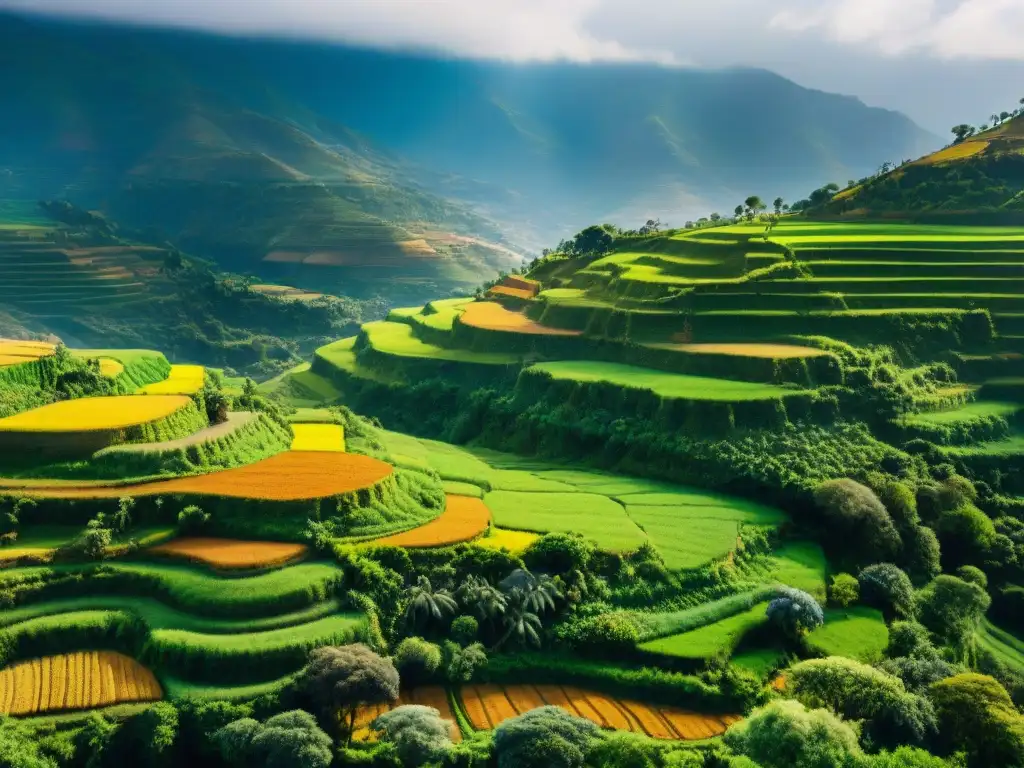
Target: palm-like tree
[
  {"x": 519, "y": 621},
  {"x": 482, "y": 598},
  {"x": 539, "y": 591},
  {"x": 428, "y": 605}
]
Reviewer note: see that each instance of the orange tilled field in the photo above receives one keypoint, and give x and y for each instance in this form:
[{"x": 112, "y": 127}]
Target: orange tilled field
[
  {"x": 493, "y": 317},
  {"x": 231, "y": 553},
  {"x": 463, "y": 519},
  {"x": 288, "y": 476},
  {"x": 488, "y": 705},
  {"x": 429, "y": 696},
  {"x": 517, "y": 293},
  {"x": 75, "y": 681}
]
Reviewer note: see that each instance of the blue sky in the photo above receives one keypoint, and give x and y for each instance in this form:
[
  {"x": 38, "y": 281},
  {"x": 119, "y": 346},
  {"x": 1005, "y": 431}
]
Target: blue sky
[{"x": 940, "y": 61}]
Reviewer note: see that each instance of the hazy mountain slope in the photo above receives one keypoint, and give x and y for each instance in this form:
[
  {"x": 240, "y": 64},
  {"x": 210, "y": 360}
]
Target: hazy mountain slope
[{"x": 247, "y": 149}]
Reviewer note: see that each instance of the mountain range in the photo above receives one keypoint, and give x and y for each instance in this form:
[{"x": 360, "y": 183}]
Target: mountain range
[{"x": 359, "y": 171}]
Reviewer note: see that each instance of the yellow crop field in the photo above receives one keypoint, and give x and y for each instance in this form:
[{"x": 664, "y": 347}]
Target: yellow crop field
[
  {"x": 93, "y": 414},
  {"x": 231, "y": 553},
  {"x": 464, "y": 518},
  {"x": 80, "y": 680},
  {"x": 518, "y": 293},
  {"x": 427, "y": 696},
  {"x": 488, "y": 705},
  {"x": 110, "y": 367},
  {"x": 288, "y": 476},
  {"x": 491, "y": 316},
  {"x": 318, "y": 437},
  {"x": 13, "y": 352},
  {"x": 513, "y": 541},
  {"x": 769, "y": 351},
  {"x": 956, "y": 152},
  {"x": 182, "y": 380}
]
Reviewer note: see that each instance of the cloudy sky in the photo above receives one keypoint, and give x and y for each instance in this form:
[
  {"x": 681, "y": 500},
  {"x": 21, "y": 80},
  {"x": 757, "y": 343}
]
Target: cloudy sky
[{"x": 940, "y": 61}]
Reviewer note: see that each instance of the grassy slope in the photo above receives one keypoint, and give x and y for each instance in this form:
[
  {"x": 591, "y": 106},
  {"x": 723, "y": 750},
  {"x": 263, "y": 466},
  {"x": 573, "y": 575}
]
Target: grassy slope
[{"x": 858, "y": 633}]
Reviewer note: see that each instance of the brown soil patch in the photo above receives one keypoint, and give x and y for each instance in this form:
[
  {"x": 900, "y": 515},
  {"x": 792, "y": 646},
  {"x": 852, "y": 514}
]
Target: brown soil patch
[
  {"x": 231, "y": 553},
  {"x": 463, "y": 519}
]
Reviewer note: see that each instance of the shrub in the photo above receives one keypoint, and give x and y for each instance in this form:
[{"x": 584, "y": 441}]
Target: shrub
[
  {"x": 559, "y": 553},
  {"x": 609, "y": 633},
  {"x": 192, "y": 519},
  {"x": 886, "y": 587},
  {"x": 460, "y": 664},
  {"x": 856, "y": 517},
  {"x": 972, "y": 575},
  {"x": 417, "y": 660},
  {"x": 795, "y": 612},
  {"x": 908, "y": 638},
  {"x": 856, "y": 691},
  {"x": 785, "y": 734},
  {"x": 952, "y": 608},
  {"x": 845, "y": 590},
  {"x": 965, "y": 534},
  {"x": 464, "y": 629},
  {"x": 419, "y": 733},
  {"x": 921, "y": 554},
  {"x": 976, "y": 715},
  {"x": 548, "y": 737},
  {"x": 626, "y": 750},
  {"x": 287, "y": 739},
  {"x": 901, "y": 504}
]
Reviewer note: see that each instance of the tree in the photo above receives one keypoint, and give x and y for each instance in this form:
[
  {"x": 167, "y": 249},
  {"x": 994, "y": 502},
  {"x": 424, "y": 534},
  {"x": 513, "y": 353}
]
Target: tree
[
  {"x": 594, "y": 241},
  {"x": 777, "y": 205},
  {"x": 886, "y": 587},
  {"x": 539, "y": 591},
  {"x": 909, "y": 757},
  {"x": 191, "y": 520},
  {"x": 962, "y": 132},
  {"x": 340, "y": 679},
  {"x": 785, "y": 734},
  {"x": 856, "y": 691},
  {"x": 419, "y": 733},
  {"x": 122, "y": 518},
  {"x": 845, "y": 590},
  {"x": 855, "y": 516},
  {"x": 460, "y": 664},
  {"x": 427, "y": 606},
  {"x": 738, "y": 211},
  {"x": 977, "y": 715},
  {"x": 965, "y": 535},
  {"x": 519, "y": 621},
  {"x": 559, "y": 553},
  {"x": 547, "y": 737},
  {"x": 754, "y": 205},
  {"x": 795, "y": 612},
  {"x": 417, "y": 660},
  {"x": 482, "y": 599},
  {"x": 285, "y": 740},
  {"x": 625, "y": 750},
  {"x": 952, "y": 608},
  {"x": 716, "y": 217}
]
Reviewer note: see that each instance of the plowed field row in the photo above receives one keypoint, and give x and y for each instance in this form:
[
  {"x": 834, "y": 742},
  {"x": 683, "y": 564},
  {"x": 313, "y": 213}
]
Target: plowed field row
[
  {"x": 486, "y": 706},
  {"x": 288, "y": 476},
  {"x": 463, "y": 519},
  {"x": 75, "y": 681},
  {"x": 428, "y": 696},
  {"x": 231, "y": 553}
]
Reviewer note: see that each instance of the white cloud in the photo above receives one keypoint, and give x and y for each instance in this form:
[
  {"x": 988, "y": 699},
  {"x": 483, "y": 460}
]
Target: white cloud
[{"x": 978, "y": 29}]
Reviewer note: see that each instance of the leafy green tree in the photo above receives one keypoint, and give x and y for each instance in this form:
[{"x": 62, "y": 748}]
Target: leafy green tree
[
  {"x": 426, "y": 605},
  {"x": 192, "y": 519},
  {"x": 913, "y": 658},
  {"x": 417, "y": 660},
  {"x": 909, "y": 757},
  {"x": 785, "y": 734},
  {"x": 285, "y": 740},
  {"x": 777, "y": 204},
  {"x": 121, "y": 520},
  {"x": 952, "y": 608},
  {"x": 559, "y": 553},
  {"x": 921, "y": 554},
  {"x": 962, "y": 132},
  {"x": 795, "y": 612},
  {"x": 20, "y": 747},
  {"x": 521, "y": 625},
  {"x": 625, "y": 750},
  {"x": 886, "y": 587},
  {"x": 340, "y": 679},
  {"x": 537, "y": 591},
  {"x": 845, "y": 590},
  {"x": 464, "y": 629},
  {"x": 419, "y": 733},
  {"x": 965, "y": 534},
  {"x": 854, "y": 515},
  {"x": 856, "y": 691},
  {"x": 548, "y": 737},
  {"x": 594, "y": 241},
  {"x": 977, "y": 716},
  {"x": 460, "y": 664},
  {"x": 482, "y": 599},
  {"x": 972, "y": 575}
]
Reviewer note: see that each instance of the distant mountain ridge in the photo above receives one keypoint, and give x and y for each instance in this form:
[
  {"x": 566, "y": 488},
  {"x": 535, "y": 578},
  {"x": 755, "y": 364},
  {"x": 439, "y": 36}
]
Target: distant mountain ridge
[{"x": 395, "y": 166}]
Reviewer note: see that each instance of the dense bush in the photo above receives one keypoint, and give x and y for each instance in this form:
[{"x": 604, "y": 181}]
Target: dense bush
[
  {"x": 854, "y": 517},
  {"x": 977, "y": 716},
  {"x": 886, "y": 587},
  {"x": 417, "y": 660},
  {"x": 795, "y": 612},
  {"x": 952, "y": 608},
  {"x": 965, "y": 534},
  {"x": 548, "y": 737},
  {"x": 284, "y": 740},
  {"x": 341, "y": 679},
  {"x": 845, "y": 590},
  {"x": 419, "y": 734}
]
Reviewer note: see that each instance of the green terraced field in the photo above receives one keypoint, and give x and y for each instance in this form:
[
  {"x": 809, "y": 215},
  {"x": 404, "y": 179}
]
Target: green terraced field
[
  {"x": 713, "y": 640},
  {"x": 398, "y": 339},
  {"x": 198, "y": 592},
  {"x": 970, "y": 412},
  {"x": 688, "y": 537},
  {"x": 595, "y": 517},
  {"x": 857, "y": 633},
  {"x": 1004, "y": 646},
  {"x": 801, "y": 565},
  {"x": 662, "y": 624},
  {"x": 666, "y": 385}
]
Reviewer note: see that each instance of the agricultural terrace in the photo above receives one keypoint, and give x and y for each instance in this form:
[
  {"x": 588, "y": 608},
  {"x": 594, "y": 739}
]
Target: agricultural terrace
[
  {"x": 95, "y": 414},
  {"x": 487, "y": 706},
  {"x": 82, "y": 680},
  {"x": 494, "y": 317},
  {"x": 399, "y": 340},
  {"x": 230, "y": 554},
  {"x": 318, "y": 437},
  {"x": 182, "y": 380},
  {"x": 688, "y": 527},
  {"x": 464, "y": 518},
  {"x": 289, "y": 476},
  {"x": 13, "y": 352}
]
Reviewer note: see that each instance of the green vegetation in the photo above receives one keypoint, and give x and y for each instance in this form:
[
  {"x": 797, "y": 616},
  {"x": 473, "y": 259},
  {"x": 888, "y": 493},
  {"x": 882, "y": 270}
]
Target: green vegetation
[
  {"x": 856, "y": 633},
  {"x": 712, "y": 640}
]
